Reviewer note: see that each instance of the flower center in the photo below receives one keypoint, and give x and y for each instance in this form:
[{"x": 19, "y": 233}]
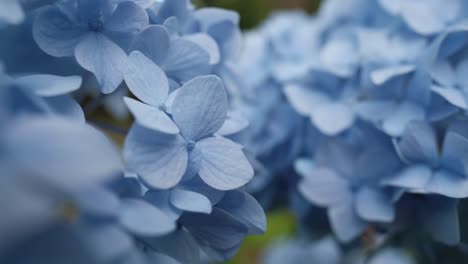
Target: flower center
[{"x": 190, "y": 145}]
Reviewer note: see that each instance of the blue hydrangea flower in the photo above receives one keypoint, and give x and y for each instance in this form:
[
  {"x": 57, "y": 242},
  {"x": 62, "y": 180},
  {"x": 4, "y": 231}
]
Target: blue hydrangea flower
[
  {"x": 96, "y": 33},
  {"x": 433, "y": 170},
  {"x": 198, "y": 111},
  {"x": 426, "y": 17},
  {"x": 345, "y": 177},
  {"x": 11, "y": 12}
]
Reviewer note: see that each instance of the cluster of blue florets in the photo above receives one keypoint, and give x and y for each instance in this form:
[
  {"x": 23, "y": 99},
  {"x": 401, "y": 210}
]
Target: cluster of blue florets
[
  {"x": 358, "y": 113},
  {"x": 69, "y": 195},
  {"x": 367, "y": 101}
]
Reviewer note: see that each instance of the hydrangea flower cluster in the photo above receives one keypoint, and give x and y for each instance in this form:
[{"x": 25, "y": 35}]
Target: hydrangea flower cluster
[
  {"x": 378, "y": 136},
  {"x": 68, "y": 194}
]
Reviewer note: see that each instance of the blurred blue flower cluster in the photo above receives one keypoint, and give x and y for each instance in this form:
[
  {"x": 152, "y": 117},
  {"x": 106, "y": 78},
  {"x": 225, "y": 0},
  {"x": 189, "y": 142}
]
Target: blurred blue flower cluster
[
  {"x": 68, "y": 195},
  {"x": 367, "y": 101}
]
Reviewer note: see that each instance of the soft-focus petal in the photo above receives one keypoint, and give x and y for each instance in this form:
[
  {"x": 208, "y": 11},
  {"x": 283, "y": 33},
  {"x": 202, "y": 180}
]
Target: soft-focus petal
[
  {"x": 381, "y": 76},
  {"x": 374, "y": 205},
  {"x": 454, "y": 153},
  {"x": 413, "y": 178},
  {"x": 324, "y": 188},
  {"x": 448, "y": 184},
  {"x": 345, "y": 223},
  {"x": 453, "y": 96},
  {"x": 208, "y": 43},
  {"x": 143, "y": 219},
  {"x": 49, "y": 85},
  {"x": 65, "y": 153},
  {"x": 304, "y": 100},
  {"x": 332, "y": 119},
  {"x": 419, "y": 144},
  {"x": 404, "y": 114}
]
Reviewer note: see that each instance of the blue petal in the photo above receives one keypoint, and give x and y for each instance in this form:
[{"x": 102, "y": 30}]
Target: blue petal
[
  {"x": 374, "y": 110},
  {"x": 186, "y": 60},
  {"x": 55, "y": 33},
  {"x": 190, "y": 201},
  {"x": 332, "y": 119},
  {"x": 304, "y": 100},
  {"x": 391, "y": 256},
  {"x": 246, "y": 209},
  {"x": 374, "y": 205},
  {"x": 344, "y": 222},
  {"x": 234, "y": 124},
  {"x": 324, "y": 188},
  {"x": 384, "y": 75},
  {"x": 67, "y": 107},
  {"x": 146, "y": 80},
  {"x": 142, "y": 219},
  {"x": 460, "y": 72},
  {"x": 129, "y": 17},
  {"x": 454, "y": 153},
  {"x": 174, "y": 8},
  {"x": 448, "y": 184},
  {"x": 160, "y": 160},
  {"x": 339, "y": 56},
  {"x": 107, "y": 61},
  {"x": 419, "y": 144},
  {"x": 441, "y": 219},
  {"x": 208, "y": 44},
  {"x": 161, "y": 199},
  {"x": 98, "y": 238},
  {"x": 200, "y": 107},
  {"x": 429, "y": 18},
  {"x": 151, "y": 117},
  {"x": 217, "y": 230},
  {"x": 443, "y": 73},
  {"x": 401, "y": 117},
  {"x": 179, "y": 245},
  {"x": 64, "y": 153},
  {"x": 108, "y": 205},
  {"x": 223, "y": 165},
  {"x": 11, "y": 12},
  {"x": 209, "y": 16},
  {"x": 153, "y": 42},
  {"x": 49, "y": 85},
  {"x": 196, "y": 184},
  {"x": 452, "y": 95},
  {"x": 414, "y": 178}
]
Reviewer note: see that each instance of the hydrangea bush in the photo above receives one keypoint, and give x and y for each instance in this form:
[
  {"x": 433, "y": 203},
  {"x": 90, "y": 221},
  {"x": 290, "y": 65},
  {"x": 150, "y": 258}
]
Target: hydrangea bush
[{"x": 354, "y": 118}]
